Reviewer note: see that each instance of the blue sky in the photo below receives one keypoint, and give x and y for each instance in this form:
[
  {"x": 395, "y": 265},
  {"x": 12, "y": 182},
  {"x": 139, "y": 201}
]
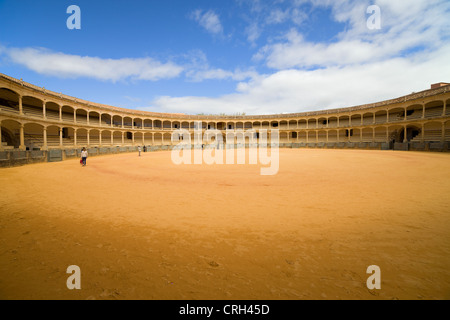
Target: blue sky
[{"x": 233, "y": 56}]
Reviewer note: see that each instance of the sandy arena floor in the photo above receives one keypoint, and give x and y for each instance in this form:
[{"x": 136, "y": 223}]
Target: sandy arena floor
[{"x": 144, "y": 228}]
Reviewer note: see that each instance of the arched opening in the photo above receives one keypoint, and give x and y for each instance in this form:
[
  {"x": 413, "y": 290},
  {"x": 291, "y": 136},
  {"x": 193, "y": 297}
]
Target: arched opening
[
  {"x": 367, "y": 135},
  {"x": 117, "y": 121},
  {"x": 32, "y": 107},
  {"x": 312, "y": 124},
  {"x": 432, "y": 131},
  {"x": 138, "y": 139},
  {"x": 127, "y": 122},
  {"x": 301, "y": 137},
  {"x": 395, "y": 134},
  {"x": 148, "y": 124},
  {"x": 380, "y": 134},
  {"x": 138, "y": 124},
  {"x": 81, "y": 115},
  {"x": 344, "y": 121},
  {"x": 332, "y": 122},
  {"x": 396, "y": 115},
  {"x": 434, "y": 109},
  {"x": 158, "y": 139},
  {"x": 10, "y": 134},
  {"x": 323, "y": 122},
  {"x": 82, "y": 139},
  {"x": 312, "y": 137},
  {"x": 9, "y": 100},
  {"x": 52, "y": 111},
  {"x": 283, "y": 125},
  {"x": 94, "y": 138},
  {"x": 321, "y": 136},
  {"x": 185, "y": 125},
  {"x": 368, "y": 118},
  {"x": 293, "y": 124},
  {"x": 302, "y": 124},
  {"x": 414, "y": 112},
  {"x": 53, "y": 140},
  {"x": 413, "y": 133},
  {"x": 167, "y": 139},
  {"x": 106, "y": 120},
  {"x": 33, "y": 136},
  {"x": 356, "y": 120},
  {"x": 248, "y": 126},
  {"x": 380, "y": 117},
  {"x": 167, "y": 125},
  {"x": 355, "y": 135},
  {"x": 94, "y": 118},
  {"x": 117, "y": 138},
  {"x": 332, "y": 136},
  {"x": 67, "y": 113},
  {"x": 106, "y": 138},
  {"x": 68, "y": 135}
]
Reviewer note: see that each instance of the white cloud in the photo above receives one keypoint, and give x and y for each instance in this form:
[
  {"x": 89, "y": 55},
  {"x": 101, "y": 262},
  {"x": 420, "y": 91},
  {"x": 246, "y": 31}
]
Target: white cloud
[
  {"x": 293, "y": 90},
  {"x": 63, "y": 65},
  {"x": 406, "y": 26},
  {"x": 208, "y": 20}
]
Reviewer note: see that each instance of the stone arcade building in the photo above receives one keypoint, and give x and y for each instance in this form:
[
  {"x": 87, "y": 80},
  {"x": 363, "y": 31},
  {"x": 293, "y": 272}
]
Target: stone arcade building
[{"x": 40, "y": 125}]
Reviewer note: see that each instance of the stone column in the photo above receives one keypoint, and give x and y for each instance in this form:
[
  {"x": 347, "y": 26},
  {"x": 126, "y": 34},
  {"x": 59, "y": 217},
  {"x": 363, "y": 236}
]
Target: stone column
[
  {"x": 100, "y": 138},
  {"x": 74, "y": 116},
  {"x": 45, "y": 146},
  {"x": 60, "y": 113},
  {"x": 423, "y": 112},
  {"x": 88, "y": 117},
  {"x": 75, "y": 137},
  {"x": 423, "y": 134},
  {"x": 373, "y": 135},
  {"x": 132, "y": 137},
  {"x": 153, "y": 139},
  {"x": 443, "y": 132},
  {"x": 387, "y": 116},
  {"x": 374, "y": 118},
  {"x": 445, "y": 109},
  {"x": 61, "y": 137},
  {"x": 88, "y": 138},
  {"x": 123, "y": 139},
  {"x": 122, "y": 126},
  {"x": 360, "y": 135},
  {"x": 112, "y": 138},
  {"x": 387, "y": 134},
  {"x": 20, "y": 106},
  {"x": 44, "y": 111},
  {"x": 22, "y": 138},
  {"x": 405, "y": 138}
]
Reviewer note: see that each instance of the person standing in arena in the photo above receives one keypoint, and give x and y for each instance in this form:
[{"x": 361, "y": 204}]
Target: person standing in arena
[{"x": 84, "y": 155}]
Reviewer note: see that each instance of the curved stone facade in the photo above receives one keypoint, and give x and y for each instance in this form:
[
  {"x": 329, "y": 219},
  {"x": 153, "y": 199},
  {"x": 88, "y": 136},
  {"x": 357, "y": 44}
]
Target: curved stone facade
[{"x": 33, "y": 118}]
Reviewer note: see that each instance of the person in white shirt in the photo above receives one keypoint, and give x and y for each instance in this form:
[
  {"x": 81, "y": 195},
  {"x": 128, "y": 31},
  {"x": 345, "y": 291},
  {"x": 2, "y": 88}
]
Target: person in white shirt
[
  {"x": 84, "y": 155},
  {"x": 139, "y": 149}
]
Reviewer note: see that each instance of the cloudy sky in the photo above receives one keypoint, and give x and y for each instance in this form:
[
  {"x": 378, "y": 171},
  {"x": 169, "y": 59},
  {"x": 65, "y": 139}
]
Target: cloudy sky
[{"x": 228, "y": 56}]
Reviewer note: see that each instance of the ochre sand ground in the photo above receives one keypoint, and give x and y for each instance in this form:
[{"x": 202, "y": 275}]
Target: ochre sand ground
[{"x": 144, "y": 228}]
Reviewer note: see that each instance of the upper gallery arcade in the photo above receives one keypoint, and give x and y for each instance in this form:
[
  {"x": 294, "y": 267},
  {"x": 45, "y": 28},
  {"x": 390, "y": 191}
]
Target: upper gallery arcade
[{"x": 34, "y": 118}]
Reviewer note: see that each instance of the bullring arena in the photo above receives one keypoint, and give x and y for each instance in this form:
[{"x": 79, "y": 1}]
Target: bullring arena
[{"x": 357, "y": 186}]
